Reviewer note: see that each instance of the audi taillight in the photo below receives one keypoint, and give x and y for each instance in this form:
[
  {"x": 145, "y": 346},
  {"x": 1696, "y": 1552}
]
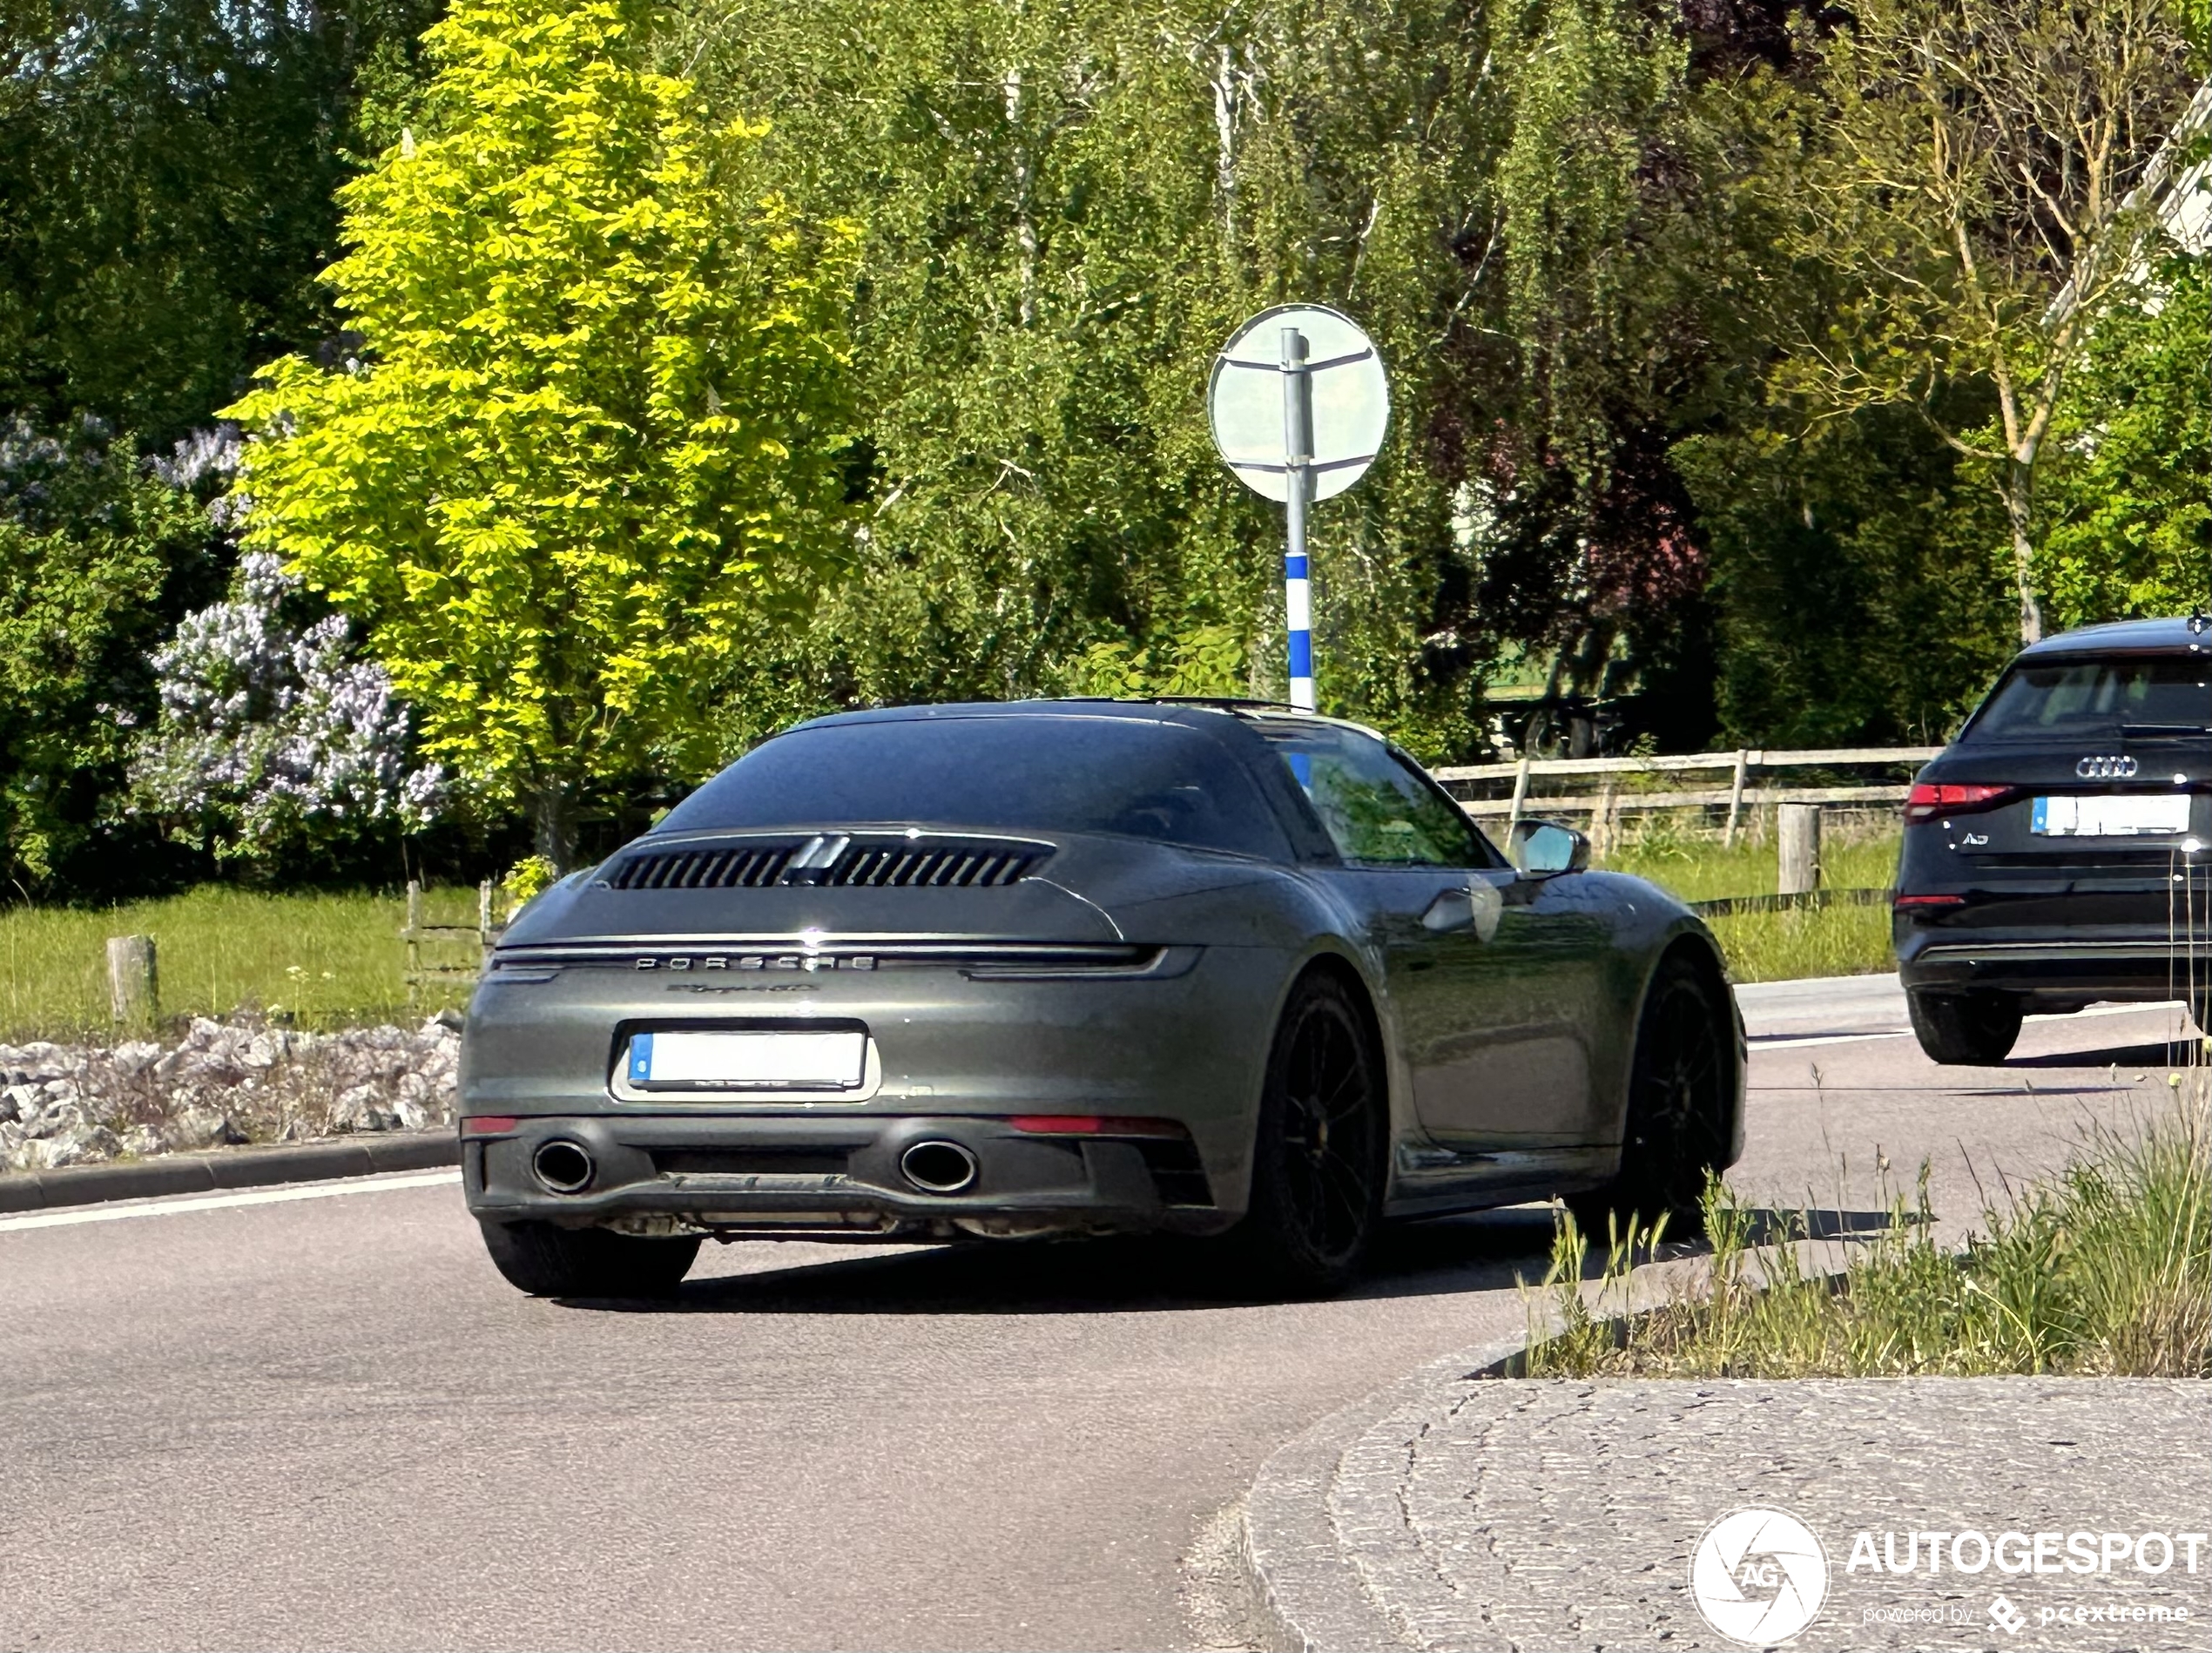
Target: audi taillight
[{"x": 1927, "y": 799}]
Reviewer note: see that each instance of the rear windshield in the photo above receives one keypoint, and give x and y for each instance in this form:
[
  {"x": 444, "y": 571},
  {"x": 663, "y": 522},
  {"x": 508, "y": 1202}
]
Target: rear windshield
[
  {"x": 1030, "y": 773},
  {"x": 2143, "y": 696}
]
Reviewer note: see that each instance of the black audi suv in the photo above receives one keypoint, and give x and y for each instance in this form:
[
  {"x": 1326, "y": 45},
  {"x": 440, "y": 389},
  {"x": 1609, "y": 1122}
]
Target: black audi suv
[{"x": 2055, "y": 854}]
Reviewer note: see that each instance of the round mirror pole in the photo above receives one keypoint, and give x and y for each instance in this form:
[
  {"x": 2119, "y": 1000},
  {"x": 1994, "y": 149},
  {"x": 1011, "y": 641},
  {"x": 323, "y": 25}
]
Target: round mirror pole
[
  {"x": 1299, "y": 405},
  {"x": 1298, "y": 461}
]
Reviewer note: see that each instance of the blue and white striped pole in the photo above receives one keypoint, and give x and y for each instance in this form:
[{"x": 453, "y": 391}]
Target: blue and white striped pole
[{"x": 1297, "y": 461}]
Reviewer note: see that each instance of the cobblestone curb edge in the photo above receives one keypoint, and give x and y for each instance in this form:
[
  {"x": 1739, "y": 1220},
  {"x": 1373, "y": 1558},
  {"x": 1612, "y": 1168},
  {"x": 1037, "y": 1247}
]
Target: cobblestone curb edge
[{"x": 1309, "y": 1593}]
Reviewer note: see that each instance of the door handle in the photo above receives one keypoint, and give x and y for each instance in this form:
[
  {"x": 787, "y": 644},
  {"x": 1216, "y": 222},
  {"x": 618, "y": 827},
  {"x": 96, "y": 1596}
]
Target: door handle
[
  {"x": 1453, "y": 909},
  {"x": 1479, "y": 907}
]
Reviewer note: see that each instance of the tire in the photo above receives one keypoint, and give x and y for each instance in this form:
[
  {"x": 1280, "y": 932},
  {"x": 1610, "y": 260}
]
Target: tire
[
  {"x": 1966, "y": 1029},
  {"x": 548, "y": 1261},
  {"x": 1677, "y": 1130},
  {"x": 1320, "y": 1150}
]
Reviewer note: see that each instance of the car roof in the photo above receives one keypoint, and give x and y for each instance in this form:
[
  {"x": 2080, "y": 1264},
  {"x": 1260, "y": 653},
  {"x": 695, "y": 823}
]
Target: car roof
[
  {"x": 1199, "y": 713},
  {"x": 2191, "y": 635}
]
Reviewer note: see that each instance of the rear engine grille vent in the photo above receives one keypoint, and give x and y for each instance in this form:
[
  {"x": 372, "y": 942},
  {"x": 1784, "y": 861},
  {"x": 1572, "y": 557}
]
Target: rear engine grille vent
[
  {"x": 953, "y": 867},
  {"x": 834, "y": 860},
  {"x": 749, "y": 867}
]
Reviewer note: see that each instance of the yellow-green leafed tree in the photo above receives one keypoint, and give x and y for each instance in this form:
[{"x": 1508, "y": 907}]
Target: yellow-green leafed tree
[{"x": 589, "y": 444}]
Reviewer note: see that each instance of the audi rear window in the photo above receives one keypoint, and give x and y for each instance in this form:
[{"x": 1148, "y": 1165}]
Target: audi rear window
[
  {"x": 1027, "y": 772},
  {"x": 2143, "y": 696}
]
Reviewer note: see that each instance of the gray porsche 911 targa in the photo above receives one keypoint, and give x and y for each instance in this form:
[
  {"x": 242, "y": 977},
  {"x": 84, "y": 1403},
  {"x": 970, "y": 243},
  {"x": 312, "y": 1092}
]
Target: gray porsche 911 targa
[{"x": 1065, "y": 968}]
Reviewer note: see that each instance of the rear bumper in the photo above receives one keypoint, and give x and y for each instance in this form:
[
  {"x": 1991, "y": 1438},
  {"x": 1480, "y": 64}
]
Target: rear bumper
[
  {"x": 793, "y": 1175},
  {"x": 2058, "y": 967}
]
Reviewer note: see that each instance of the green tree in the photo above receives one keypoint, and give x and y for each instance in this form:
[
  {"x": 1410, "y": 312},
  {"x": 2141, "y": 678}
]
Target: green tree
[
  {"x": 165, "y": 179},
  {"x": 2128, "y": 492},
  {"x": 589, "y": 451},
  {"x": 1983, "y": 176},
  {"x": 1634, "y": 309},
  {"x": 99, "y": 554},
  {"x": 1858, "y": 593},
  {"x": 1069, "y": 205}
]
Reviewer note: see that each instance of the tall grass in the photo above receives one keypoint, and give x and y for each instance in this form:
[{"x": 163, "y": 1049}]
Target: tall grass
[
  {"x": 1699, "y": 869},
  {"x": 1784, "y": 946},
  {"x": 322, "y": 961},
  {"x": 1775, "y": 947},
  {"x": 2105, "y": 1270}
]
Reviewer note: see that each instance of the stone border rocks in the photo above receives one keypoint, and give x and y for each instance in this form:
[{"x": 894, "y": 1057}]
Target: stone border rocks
[{"x": 220, "y": 1084}]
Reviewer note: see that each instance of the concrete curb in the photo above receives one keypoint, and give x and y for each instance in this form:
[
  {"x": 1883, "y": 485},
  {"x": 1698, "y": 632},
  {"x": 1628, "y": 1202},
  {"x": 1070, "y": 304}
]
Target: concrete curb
[
  {"x": 1310, "y": 1596},
  {"x": 311, "y": 1162}
]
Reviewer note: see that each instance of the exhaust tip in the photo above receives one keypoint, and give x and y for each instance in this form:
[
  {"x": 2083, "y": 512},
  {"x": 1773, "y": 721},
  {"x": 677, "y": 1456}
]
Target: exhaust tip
[
  {"x": 937, "y": 1167},
  {"x": 563, "y": 1166}
]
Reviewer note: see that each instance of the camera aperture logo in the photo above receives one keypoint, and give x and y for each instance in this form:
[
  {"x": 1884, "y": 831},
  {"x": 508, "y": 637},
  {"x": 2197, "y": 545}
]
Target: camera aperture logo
[{"x": 1758, "y": 1576}]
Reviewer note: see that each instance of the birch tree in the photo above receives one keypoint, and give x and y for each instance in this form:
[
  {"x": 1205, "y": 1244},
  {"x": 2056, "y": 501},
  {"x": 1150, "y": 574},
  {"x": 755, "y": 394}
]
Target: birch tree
[{"x": 1983, "y": 178}]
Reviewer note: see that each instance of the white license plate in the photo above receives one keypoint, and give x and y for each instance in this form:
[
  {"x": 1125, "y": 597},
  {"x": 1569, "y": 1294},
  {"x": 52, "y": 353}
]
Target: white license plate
[
  {"x": 726, "y": 1060},
  {"x": 2115, "y": 816}
]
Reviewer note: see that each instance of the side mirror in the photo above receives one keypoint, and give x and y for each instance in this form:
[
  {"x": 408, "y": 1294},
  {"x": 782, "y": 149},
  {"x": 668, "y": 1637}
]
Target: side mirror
[{"x": 1542, "y": 849}]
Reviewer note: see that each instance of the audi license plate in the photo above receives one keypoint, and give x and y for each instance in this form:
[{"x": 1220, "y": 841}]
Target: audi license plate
[
  {"x": 724, "y": 1060},
  {"x": 2113, "y": 816}
]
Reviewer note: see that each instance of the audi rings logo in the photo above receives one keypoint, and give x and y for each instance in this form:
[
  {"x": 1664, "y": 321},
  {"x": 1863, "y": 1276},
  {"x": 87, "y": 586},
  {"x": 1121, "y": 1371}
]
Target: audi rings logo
[
  {"x": 1758, "y": 1576},
  {"x": 2105, "y": 768}
]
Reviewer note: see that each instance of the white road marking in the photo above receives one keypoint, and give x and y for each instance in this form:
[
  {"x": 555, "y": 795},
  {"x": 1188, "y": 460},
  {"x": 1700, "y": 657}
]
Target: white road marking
[
  {"x": 1759, "y": 1045},
  {"x": 169, "y": 1207},
  {"x": 1767, "y": 1042}
]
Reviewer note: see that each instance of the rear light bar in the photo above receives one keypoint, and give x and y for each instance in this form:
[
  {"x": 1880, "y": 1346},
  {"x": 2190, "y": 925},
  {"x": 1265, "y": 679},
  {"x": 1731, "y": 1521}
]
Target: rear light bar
[
  {"x": 1929, "y": 901},
  {"x": 1094, "y": 1125},
  {"x": 1928, "y": 800}
]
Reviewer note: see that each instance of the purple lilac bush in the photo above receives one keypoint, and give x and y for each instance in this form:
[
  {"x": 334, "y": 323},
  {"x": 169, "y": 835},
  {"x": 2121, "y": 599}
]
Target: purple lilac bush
[{"x": 272, "y": 735}]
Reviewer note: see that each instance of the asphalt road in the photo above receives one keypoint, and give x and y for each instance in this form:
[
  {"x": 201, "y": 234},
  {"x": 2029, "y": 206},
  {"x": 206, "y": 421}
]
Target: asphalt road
[{"x": 274, "y": 1421}]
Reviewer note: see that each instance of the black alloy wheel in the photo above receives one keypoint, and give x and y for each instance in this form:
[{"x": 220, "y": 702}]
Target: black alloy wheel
[
  {"x": 1318, "y": 1155},
  {"x": 546, "y": 1260},
  {"x": 1676, "y": 1133},
  {"x": 1966, "y": 1029}
]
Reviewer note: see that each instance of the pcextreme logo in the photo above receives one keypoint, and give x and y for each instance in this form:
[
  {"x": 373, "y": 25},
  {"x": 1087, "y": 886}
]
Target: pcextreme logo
[{"x": 1758, "y": 1576}]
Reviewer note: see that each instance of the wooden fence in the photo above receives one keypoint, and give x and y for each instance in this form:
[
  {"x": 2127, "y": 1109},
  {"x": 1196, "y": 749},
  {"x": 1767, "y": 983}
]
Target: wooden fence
[
  {"x": 473, "y": 942},
  {"x": 1606, "y": 788}
]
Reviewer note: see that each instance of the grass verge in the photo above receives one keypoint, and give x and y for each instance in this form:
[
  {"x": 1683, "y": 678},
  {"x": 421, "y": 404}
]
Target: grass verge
[
  {"x": 317, "y": 960},
  {"x": 1700, "y": 869},
  {"x": 2104, "y": 1270},
  {"x": 1775, "y": 947},
  {"x": 1787, "y": 945}
]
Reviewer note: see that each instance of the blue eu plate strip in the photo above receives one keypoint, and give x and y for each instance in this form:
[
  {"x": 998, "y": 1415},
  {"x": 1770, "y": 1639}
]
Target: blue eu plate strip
[
  {"x": 641, "y": 1058},
  {"x": 2042, "y": 821}
]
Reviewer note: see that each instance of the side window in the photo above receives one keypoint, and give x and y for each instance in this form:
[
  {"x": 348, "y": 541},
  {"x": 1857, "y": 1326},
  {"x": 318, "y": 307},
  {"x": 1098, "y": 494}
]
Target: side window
[{"x": 1376, "y": 808}]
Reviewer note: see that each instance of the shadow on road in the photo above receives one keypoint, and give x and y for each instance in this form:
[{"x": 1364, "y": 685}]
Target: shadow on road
[
  {"x": 1485, "y": 1251},
  {"x": 2179, "y": 1053}
]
